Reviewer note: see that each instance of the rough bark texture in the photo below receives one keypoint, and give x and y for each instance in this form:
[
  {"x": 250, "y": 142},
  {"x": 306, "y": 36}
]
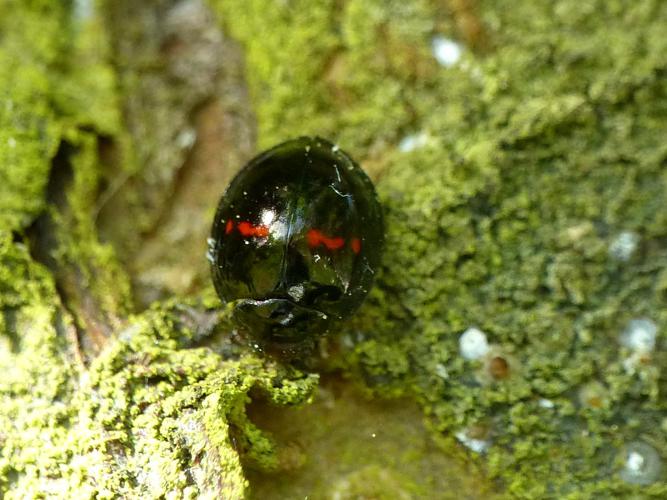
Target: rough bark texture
[{"x": 525, "y": 189}]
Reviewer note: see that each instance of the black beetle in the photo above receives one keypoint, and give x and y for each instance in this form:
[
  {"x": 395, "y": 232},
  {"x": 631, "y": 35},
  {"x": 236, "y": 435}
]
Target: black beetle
[{"x": 296, "y": 240}]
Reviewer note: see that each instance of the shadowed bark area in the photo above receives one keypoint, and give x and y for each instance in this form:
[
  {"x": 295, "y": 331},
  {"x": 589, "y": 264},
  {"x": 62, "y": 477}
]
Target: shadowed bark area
[
  {"x": 523, "y": 178},
  {"x": 191, "y": 124}
]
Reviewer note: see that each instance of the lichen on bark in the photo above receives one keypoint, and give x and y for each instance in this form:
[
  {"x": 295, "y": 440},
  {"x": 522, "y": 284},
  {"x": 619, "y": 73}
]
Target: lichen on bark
[
  {"x": 93, "y": 402},
  {"x": 545, "y": 142}
]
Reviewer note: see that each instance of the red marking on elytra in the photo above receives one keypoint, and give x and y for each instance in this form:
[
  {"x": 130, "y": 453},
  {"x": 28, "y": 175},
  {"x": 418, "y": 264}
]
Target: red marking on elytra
[
  {"x": 315, "y": 238},
  {"x": 247, "y": 229},
  {"x": 333, "y": 243},
  {"x": 356, "y": 245},
  {"x": 229, "y": 226}
]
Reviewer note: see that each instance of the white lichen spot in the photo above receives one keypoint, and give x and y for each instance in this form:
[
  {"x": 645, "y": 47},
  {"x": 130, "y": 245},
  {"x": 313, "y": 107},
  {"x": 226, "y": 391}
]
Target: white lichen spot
[
  {"x": 640, "y": 335},
  {"x": 624, "y": 245},
  {"x": 546, "y": 403},
  {"x": 473, "y": 344},
  {"x": 83, "y": 9},
  {"x": 641, "y": 464},
  {"x": 11, "y": 142},
  {"x": 441, "y": 371},
  {"x": 447, "y": 52},
  {"x": 187, "y": 138},
  {"x": 413, "y": 141},
  {"x": 475, "y": 444}
]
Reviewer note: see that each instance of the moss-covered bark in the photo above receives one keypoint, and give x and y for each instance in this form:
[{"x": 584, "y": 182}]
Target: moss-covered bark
[{"x": 534, "y": 208}]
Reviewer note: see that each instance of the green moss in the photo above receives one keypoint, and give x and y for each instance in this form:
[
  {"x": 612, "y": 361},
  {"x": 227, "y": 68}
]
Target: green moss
[
  {"x": 152, "y": 415},
  {"x": 57, "y": 83},
  {"x": 178, "y": 408},
  {"x": 345, "y": 66},
  {"x": 38, "y": 373},
  {"x": 541, "y": 152},
  {"x": 28, "y": 133},
  {"x": 51, "y": 76}
]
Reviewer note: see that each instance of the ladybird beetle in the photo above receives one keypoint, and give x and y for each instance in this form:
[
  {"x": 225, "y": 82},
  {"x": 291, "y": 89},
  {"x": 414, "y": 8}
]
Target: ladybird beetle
[{"x": 296, "y": 240}]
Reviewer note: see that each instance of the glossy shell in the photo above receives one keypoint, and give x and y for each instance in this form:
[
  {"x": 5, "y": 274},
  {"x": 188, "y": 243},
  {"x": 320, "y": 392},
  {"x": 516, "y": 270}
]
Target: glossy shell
[{"x": 296, "y": 241}]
